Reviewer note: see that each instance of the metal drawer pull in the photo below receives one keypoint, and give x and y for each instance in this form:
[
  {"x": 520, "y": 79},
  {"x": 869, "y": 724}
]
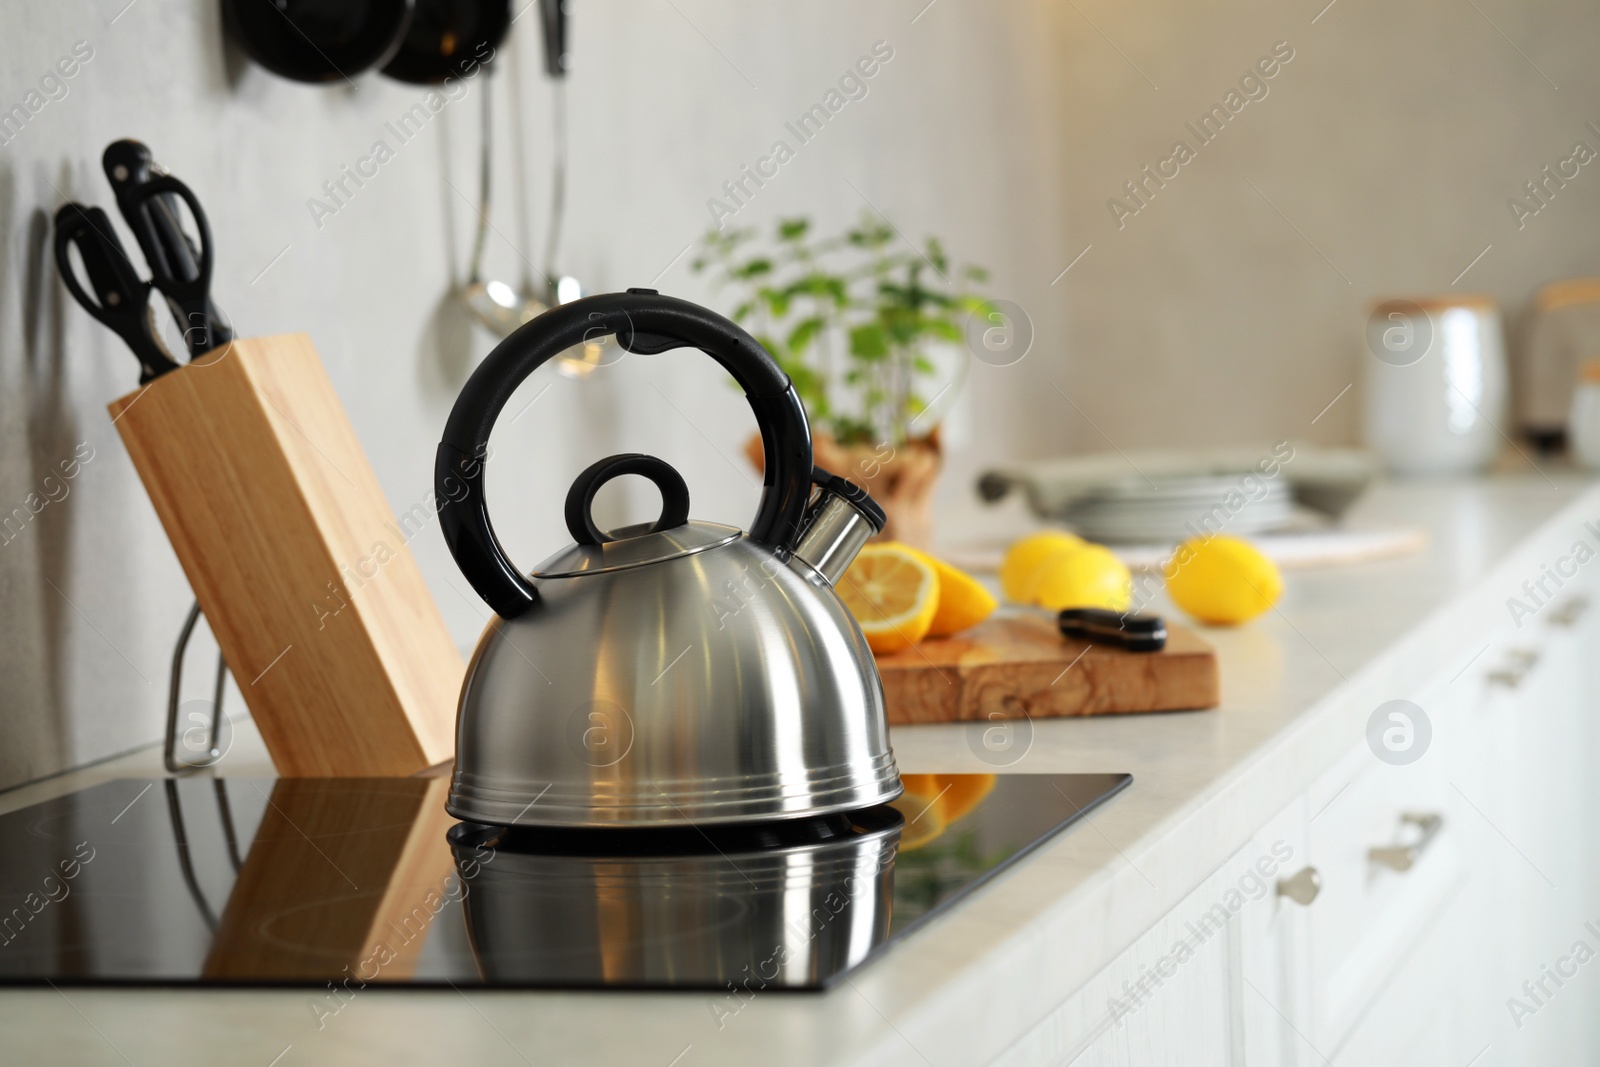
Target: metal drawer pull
[
  {"x": 1404, "y": 857},
  {"x": 1303, "y": 887},
  {"x": 1519, "y": 661}
]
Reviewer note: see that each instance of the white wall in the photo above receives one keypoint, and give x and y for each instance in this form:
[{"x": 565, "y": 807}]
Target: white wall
[
  {"x": 1384, "y": 155},
  {"x": 953, "y": 138}
]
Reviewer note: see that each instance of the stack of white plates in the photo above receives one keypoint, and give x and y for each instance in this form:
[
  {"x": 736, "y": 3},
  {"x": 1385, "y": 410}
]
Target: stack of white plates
[{"x": 1140, "y": 512}]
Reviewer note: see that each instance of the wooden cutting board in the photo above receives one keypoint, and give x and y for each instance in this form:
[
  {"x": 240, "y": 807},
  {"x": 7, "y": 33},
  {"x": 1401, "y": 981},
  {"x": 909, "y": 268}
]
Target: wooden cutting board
[{"x": 1020, "y": 666}]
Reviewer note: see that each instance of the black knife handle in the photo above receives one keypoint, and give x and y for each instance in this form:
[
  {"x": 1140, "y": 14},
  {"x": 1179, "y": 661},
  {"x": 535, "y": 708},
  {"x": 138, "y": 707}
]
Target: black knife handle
[{"x": 1135, "y": 633}]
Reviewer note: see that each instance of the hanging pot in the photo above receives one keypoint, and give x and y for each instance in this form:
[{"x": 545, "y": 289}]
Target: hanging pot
[
  {"x": 449, "y": 39},
  {"x": 317, "y": 40}
]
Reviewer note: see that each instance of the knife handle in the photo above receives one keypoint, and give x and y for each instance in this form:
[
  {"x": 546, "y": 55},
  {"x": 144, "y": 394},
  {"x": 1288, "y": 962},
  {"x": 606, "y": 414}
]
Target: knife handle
[{"x": 1134, "y": 633}]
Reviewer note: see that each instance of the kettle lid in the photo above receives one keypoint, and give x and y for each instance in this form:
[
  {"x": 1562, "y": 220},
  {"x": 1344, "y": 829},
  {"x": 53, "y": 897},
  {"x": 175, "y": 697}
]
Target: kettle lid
[
  {"x": 599, "y": 551},
  {"x": 635, "y": 546}
]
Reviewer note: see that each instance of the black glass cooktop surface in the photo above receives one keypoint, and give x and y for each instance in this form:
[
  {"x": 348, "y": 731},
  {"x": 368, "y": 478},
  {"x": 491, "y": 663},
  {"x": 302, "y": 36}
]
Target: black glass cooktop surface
[{"x": 205, "y": 881}]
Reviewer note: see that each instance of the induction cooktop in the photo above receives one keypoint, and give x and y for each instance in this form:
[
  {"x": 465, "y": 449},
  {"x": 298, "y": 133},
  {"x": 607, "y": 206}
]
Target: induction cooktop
[{"x": 212, "y": 881}]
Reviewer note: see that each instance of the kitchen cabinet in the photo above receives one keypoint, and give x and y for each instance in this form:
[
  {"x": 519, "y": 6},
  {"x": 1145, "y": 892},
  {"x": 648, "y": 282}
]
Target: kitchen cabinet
[
  {"x": 1534, "y": 832},
  {"x": 1411, "y": 902},
  {"x": 1209, "y": 984}
]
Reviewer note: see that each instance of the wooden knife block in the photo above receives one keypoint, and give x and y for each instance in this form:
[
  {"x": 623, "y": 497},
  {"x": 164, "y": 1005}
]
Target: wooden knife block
[{"x": 302, "y": 571}]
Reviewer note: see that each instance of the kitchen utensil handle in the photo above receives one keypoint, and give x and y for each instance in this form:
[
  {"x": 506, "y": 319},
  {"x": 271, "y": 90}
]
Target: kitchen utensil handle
[
  {"x": 553, "y": 20},
  {"x": 580, "y": 498},
  {"x": 121, "y": 300},
  {"x": 1135, "y": 633},
  {"x": 146, "y": 209},
  {"x": 148, "y": 197},
  {"x": 644, "y": 322}
]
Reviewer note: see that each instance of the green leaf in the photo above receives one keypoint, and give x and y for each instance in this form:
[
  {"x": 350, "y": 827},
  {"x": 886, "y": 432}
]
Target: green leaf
[
  {"x": 869, "y": 342},
  {"x": 793, "y": 229},
  {"x": 803, "y": 333},
  {"x": 743, "y": 311},
  {"x": 777, "y": 300},
  {"x": 756, "y": 268}
]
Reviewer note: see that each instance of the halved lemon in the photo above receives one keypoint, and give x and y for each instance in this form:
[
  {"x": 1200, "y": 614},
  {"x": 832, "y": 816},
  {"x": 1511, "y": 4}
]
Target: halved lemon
[{"x": 893, "y": 591}]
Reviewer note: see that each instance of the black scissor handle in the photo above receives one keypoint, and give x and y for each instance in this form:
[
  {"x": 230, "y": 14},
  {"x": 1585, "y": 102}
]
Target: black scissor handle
[
  {"x": 119, "y": 299},
  {"x": 148, "y": 200},
  {"x": 179, "y": 270}
]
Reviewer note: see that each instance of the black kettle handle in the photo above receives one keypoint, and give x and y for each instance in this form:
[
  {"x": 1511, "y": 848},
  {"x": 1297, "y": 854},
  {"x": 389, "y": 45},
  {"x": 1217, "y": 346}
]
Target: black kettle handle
[{"x": 644, "y": 322}]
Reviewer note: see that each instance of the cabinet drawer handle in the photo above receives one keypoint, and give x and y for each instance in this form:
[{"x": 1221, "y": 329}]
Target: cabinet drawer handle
[
  {"x": 1404, "y": 857},
  {"x": 1570, "y": 612},
  {"x": 1519, "y": 661},
  {"x": 1303, "y": 887}
]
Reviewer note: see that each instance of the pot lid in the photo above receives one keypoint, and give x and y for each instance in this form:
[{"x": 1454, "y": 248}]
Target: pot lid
[{"x": 636, "y": 546}]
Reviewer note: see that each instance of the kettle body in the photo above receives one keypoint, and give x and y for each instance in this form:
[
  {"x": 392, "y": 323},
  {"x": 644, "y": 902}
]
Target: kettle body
[{"x": 670, "y": 673}]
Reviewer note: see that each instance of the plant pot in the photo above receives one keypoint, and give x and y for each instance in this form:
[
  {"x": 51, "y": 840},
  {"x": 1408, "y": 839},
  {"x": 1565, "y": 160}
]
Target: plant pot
[{"x": 901, "y": 478}]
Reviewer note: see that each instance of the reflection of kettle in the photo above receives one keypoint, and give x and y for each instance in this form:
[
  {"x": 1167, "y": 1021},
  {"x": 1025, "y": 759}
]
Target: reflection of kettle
[
  {"x": 672, "y": 672},
  {"x": 791, "y": 904}
]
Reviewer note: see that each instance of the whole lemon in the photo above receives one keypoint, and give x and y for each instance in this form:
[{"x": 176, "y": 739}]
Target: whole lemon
[
  {"x": 1089, "y": 576},
  {"x": 1222, "y": 580},
  {"x": 1019, "y": 569}
]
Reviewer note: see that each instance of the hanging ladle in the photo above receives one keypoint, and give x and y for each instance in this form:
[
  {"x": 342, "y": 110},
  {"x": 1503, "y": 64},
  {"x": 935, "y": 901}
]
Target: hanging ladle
[{"x": 496, "y": 305}]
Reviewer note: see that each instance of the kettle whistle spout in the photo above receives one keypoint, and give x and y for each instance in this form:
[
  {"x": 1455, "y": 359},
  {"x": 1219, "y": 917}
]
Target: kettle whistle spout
[{"x": 840, "y": 519}]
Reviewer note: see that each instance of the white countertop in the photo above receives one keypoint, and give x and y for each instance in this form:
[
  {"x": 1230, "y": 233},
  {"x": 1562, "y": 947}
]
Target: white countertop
[{"x": 1298, "y": 685}]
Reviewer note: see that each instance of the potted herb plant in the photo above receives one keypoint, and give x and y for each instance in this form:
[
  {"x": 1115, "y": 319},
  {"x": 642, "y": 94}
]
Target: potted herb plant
[{"x": 866, "y": 331}]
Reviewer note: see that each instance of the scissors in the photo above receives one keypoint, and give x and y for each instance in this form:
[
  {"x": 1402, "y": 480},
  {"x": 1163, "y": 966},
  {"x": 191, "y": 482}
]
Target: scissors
[
  {"x": 148, "y": 198},
  {"x": 121, "y": 298},
  {"x": 180, "y": 267}
]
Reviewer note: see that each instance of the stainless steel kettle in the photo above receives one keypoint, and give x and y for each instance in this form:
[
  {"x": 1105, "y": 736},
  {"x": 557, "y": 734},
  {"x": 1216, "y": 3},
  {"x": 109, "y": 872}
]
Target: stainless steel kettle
[{"x": 670, "y": 673}]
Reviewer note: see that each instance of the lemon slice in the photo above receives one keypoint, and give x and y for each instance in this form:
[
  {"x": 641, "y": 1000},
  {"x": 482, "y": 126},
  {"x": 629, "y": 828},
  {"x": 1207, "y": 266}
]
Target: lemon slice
[
  {"x": 963, "y": 601},
  {"x": 893, "y": 591}
]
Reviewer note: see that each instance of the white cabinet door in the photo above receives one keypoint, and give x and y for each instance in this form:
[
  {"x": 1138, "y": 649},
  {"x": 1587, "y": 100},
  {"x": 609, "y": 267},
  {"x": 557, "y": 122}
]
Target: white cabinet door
[
  {"x": 1535, "y": 819},
  {"x": 1271, "y": 1006},
  {"x": 1385, "y": 839},
  {"x": 1210, "y": 984},
  {"x": 1154, "y": 1005}
]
